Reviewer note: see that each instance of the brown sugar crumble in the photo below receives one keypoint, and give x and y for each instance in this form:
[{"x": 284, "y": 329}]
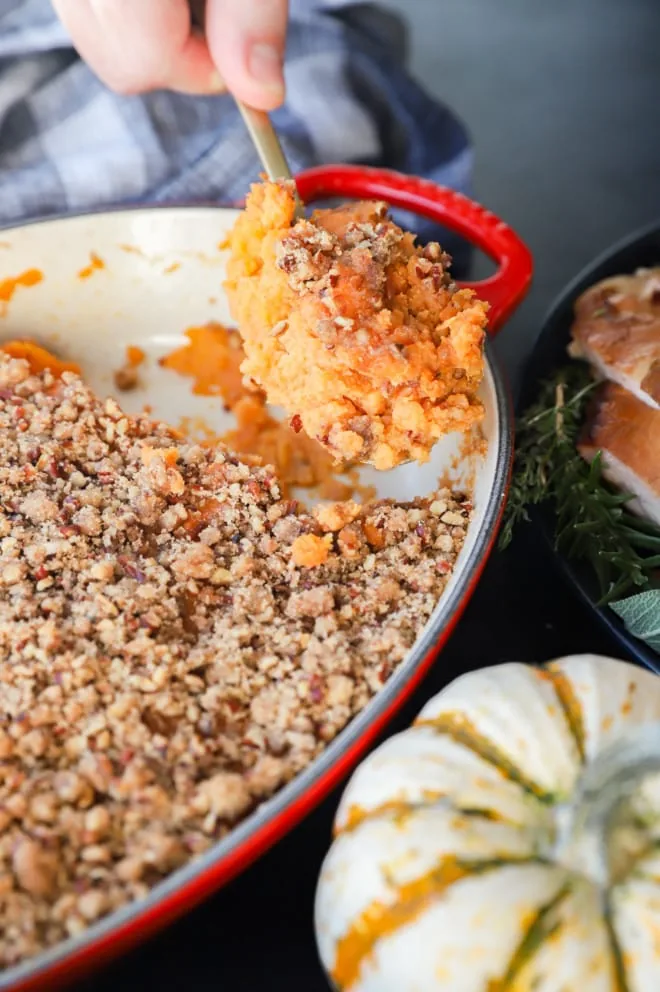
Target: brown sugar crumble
[
  {"x": 175, "y": 647},
  {"x": 359, "y": 333},
  {"x": 127, "y": 377}
]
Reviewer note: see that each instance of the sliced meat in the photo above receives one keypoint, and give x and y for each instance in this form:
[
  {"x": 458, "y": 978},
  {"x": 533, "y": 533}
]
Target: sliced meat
[
  {"x": 627, "y": 432},
  {"x": 617, "y": 330}
]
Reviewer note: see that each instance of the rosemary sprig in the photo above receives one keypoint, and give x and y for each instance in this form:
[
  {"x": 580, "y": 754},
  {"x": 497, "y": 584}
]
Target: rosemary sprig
[{"x": 592, "y": 521}]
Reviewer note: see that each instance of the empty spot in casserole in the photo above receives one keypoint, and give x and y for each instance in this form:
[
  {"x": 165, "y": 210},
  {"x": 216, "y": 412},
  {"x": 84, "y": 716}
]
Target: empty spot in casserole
[{"x": 211, "y": 358}]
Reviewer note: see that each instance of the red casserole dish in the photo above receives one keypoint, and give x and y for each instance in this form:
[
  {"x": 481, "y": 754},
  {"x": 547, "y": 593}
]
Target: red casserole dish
[{"x": 188, "y": 236}]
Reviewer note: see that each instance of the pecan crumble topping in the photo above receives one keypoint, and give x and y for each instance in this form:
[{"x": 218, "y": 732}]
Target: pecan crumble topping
[{"x": 177, "y": 642}]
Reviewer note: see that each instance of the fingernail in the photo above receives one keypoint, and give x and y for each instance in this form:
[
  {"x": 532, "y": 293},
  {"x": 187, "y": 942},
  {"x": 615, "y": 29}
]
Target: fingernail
[{"x": 265, "y": 65}]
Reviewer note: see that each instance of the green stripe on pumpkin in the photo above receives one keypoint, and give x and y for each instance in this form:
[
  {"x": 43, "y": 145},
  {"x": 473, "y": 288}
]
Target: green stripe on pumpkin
[
  {"x": 462, "y": 731},
  {"x": 411, "y": 899},
  {"x": 570, "y": 704},
  {"x": 544, "y": 925},
  {"x": 618, "y": 962},
  {"x": 400, "y": 809}
]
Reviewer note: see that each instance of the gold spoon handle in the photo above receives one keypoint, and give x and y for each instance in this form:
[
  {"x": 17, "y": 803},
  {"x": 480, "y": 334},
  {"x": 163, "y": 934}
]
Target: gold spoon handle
[
  {"x": 258, "y": 123},
  {"x": 268, "y": 147},
  {"x": 266, "y": 142}
]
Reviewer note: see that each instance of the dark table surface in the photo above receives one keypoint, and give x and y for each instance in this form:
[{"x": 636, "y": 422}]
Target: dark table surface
[{"x": 566, "y": 126}]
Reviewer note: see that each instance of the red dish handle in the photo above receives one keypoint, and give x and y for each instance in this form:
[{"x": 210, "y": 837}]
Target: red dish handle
[{"x": 504, "y": 290}]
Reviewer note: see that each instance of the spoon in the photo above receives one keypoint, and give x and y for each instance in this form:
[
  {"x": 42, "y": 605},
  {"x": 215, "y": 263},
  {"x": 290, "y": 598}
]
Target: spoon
[
  {"x": 260, "y": 127},
  {"x": 269, "y": 149}
]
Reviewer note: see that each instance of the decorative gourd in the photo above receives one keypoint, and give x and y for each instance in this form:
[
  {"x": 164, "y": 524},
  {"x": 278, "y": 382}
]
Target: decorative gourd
[{"x": 508, "y": 841}]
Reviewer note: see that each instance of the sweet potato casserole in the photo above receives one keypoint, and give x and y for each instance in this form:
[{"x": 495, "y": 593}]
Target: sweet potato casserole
[
  {"x": 360, "y": 334},
  {"x": 177, "y": 639}
]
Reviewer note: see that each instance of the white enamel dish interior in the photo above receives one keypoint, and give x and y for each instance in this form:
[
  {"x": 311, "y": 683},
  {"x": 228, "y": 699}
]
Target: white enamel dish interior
[{"x": 162, "y": 273}]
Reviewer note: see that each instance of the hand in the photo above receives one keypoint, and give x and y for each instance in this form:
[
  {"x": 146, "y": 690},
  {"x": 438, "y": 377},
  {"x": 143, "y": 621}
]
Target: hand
[{"x": 140, "y": 45}]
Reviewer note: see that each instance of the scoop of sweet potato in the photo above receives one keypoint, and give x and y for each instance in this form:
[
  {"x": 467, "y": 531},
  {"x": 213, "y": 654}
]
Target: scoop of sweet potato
[{"x": 361, "y": 335}]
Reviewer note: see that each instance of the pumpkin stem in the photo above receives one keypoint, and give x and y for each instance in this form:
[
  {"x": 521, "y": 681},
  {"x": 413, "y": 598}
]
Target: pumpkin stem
[{"x": 601, "y": 833}]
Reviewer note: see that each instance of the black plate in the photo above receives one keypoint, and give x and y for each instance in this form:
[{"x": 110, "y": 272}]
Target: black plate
[{"x": 638, "y": 250}]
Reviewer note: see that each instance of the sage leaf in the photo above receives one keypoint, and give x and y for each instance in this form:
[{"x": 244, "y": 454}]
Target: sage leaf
[{"x": 641, "y": 616}]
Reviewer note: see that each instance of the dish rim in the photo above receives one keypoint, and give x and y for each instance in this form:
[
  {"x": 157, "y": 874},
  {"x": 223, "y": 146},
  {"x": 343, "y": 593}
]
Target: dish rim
[{"x": 192, "y": 883}]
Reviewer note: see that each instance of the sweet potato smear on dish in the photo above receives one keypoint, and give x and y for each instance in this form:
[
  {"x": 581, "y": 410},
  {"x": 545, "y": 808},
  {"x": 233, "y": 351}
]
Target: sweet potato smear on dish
[
  {"x": 212, "y": 357},
  {"x": 357, "y": 332},
  {"x": 38, "y": 358}
]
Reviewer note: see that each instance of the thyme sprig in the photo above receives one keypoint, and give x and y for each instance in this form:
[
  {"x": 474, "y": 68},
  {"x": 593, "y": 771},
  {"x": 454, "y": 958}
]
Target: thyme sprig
[{"x": 592, "y": 521}]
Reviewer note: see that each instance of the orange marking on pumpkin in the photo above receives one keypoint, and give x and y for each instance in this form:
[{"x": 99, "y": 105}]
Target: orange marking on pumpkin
[
  {"x": 131, "y": 249},
  {"x": 95, "y": 263},
  {"x": 569, "y": 701},
  {"x": 379, "y": 920},
  {"x": 401, "y": 808},
  {"x": 31, "y": 277},
  {"x": 626, "y": 708},
  {"x": 38, "y": 358}
]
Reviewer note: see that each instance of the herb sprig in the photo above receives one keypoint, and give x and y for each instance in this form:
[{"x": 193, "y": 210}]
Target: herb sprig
[{"x": 593, "y": 523}]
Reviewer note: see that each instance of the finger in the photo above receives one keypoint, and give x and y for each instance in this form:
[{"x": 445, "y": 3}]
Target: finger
[
  {"x": 134, "y": 47},
  {"x": 193, "y": 70},
  {"x": 247, "y": 40}
]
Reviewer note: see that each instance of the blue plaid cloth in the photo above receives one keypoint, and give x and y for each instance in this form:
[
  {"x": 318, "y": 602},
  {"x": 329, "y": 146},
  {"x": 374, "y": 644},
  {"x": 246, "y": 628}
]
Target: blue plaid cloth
[{"x": 67, "y": 143}]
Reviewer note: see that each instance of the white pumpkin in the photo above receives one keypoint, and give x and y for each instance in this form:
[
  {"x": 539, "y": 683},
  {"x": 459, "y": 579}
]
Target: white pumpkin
[{"x": 508, "y": 841}]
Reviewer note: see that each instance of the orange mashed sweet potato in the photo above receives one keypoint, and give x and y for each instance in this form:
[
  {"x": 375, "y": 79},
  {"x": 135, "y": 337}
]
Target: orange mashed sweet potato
[
  {"x": 360, "y": 334},
  {"x": 31, "y": 277},
  {"x": 95, "y": 264},
  {"x": 212, "y": 357},
  {"x": 38, "y": 358}
]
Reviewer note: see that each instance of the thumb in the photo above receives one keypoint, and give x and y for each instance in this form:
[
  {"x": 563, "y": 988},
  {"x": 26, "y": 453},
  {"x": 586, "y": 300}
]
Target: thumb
[{"x": 247, "y": 39}]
